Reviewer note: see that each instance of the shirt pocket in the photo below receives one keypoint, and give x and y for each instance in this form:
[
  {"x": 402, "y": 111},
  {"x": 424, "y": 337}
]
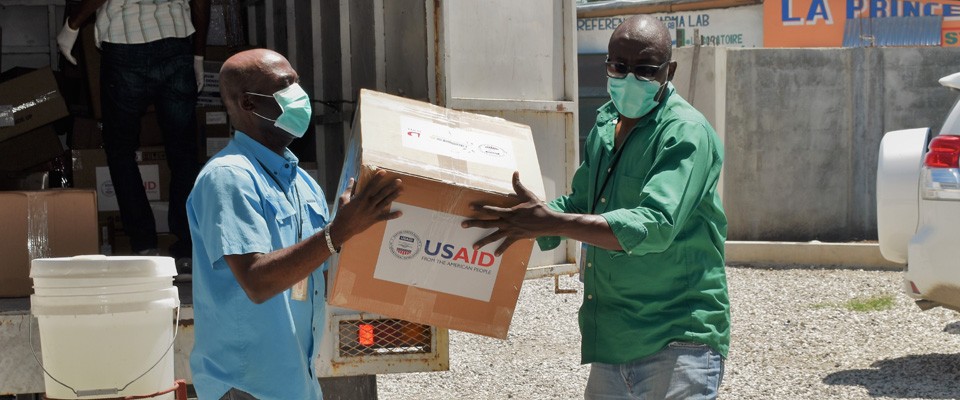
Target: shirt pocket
[
  {"x": 283, "y": 211},
  {"x": 627, "y": 192},
  {"x": 315, "y": 217},
  {"x": 646, "y": 281}
]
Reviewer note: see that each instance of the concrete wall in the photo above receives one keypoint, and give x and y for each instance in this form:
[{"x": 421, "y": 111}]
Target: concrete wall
[
  {"x": 802, "y": 128},
  {"x": 701, "y": 79}
]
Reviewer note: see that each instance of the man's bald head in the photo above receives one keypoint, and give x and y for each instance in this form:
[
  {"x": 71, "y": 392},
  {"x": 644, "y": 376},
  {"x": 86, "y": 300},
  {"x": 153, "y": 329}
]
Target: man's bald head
[
  {"x": 643, "y": 41},
  {"x": 259, "y": 71},
  {"x": 644, "y": 31}
]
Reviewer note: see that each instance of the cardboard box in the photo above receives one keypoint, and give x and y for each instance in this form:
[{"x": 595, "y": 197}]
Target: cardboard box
[
  {"x": 29, "y": 102},
  {"x": 421, "y": 267},
  {"x": 86, "y": 134},
  {"x": 90, "y": 171},
  {"x": 42, "y": 224},
  {"x": 209, "y": 96},
  {"x": 214, "y": 128},
  {"x": 29, "y": 149},
  {"x": 37, "y": 180}
]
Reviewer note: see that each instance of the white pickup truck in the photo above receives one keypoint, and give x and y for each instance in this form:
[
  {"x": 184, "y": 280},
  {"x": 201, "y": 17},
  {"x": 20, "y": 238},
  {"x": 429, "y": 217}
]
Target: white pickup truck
[{"x": 918, "y": 207}]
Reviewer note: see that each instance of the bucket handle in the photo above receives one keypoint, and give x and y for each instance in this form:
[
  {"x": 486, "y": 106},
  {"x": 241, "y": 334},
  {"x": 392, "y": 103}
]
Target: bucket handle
[{"x": 105, "y": 391}]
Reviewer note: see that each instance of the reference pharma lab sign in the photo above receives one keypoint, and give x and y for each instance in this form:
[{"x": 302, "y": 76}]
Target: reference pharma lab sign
[{"x": 731, "y": 27}]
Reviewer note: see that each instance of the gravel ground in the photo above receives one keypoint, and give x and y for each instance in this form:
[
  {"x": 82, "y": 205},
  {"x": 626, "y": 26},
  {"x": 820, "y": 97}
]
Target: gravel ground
[{"x": 792, "y": 338}]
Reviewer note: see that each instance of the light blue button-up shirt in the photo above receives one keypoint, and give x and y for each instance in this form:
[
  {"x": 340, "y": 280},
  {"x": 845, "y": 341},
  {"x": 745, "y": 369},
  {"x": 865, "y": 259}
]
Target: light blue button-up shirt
[{"x": 248, "y": 199}]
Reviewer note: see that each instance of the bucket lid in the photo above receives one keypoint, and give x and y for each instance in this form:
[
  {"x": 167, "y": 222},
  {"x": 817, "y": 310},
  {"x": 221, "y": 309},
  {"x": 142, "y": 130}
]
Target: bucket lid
[{"x": 100, "y": 266}]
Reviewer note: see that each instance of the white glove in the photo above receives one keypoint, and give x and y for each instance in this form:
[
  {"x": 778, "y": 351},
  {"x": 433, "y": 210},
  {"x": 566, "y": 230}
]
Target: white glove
[
  {"x": 198, "y": 71},
  {"x": 66, "y": 39}
]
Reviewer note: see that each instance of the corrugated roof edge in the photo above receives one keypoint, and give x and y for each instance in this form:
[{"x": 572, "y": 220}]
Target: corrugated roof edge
[
  {"x": 901, "y": 31},
  {"x": 624, "y": 7}
]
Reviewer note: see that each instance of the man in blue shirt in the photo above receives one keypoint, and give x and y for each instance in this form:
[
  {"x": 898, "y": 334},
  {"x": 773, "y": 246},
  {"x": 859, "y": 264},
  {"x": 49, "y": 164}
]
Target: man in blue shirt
[{"x": 261, "y": 236}]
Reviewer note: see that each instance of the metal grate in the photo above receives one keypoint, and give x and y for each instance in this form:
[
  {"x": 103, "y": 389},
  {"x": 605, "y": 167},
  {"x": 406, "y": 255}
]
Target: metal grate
[{"x": 380, "y": 337}]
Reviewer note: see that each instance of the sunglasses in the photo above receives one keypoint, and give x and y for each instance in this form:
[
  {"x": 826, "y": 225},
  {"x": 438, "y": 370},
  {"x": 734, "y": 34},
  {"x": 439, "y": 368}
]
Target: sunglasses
[{"x": 619, "y": 70}]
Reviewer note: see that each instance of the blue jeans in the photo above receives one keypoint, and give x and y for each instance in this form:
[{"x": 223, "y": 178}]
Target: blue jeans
[
  {"x": 681, "y": 370},
  {"x": 134, "y": 76}
]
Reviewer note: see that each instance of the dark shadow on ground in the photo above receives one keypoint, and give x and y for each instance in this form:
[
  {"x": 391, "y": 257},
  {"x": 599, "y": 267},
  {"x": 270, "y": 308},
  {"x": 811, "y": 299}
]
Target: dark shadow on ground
[{"x": 929, "y": 376}]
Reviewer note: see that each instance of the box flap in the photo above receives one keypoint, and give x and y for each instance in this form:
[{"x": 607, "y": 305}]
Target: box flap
[
  {"x": 29, "y": 149},
  {"x": 35, "y": 101},
  {"x": 450, "y": 146}
]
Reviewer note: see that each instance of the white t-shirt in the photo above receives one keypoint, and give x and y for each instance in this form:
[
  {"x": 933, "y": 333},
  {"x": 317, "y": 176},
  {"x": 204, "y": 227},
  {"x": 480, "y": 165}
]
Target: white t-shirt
[{"x": 143, "y": 21}]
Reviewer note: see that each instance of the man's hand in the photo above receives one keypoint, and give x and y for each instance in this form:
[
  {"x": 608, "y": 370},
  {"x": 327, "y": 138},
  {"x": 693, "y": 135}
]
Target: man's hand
[
  {"x": 66, "y": 39},
  {"x": 369, "y": 206},
  {"x": 198, "y": 71},
  {"x": 529, "y": 219}
]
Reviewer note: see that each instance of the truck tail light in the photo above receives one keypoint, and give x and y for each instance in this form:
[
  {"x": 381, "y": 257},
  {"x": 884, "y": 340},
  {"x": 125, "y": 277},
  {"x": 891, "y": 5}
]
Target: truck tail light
[
  {"x": 940, "y": 177},
  {"x": 944, "y": 152},
  {"x": 365, "y": 335}
]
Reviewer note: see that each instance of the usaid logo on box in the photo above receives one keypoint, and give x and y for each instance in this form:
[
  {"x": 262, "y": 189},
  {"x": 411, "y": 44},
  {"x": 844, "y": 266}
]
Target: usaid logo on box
[
  {"x": 106, "y": 195},
  {"x": 428, "y": 249},
  {"x": 405, "y": 245}
]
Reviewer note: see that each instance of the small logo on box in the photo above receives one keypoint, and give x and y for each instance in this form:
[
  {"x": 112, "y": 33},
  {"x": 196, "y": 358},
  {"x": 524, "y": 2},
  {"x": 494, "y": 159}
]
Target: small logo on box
[
  {"x": 106, "y": 188},
  {"x": 405, "y": 245},
  {"x": 491, "y": 150}
]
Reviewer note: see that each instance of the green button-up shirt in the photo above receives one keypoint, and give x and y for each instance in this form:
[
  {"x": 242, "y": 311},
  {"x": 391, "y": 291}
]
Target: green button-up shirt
[{"x": 668, "y": 284}]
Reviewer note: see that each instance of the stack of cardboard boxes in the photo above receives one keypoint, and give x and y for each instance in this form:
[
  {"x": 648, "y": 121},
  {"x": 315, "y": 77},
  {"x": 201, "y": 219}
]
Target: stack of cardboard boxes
[
  {"x": 30, "y": 102},
  {"x": 36, "y": 223},
  {"x": 50, "y": 137}
]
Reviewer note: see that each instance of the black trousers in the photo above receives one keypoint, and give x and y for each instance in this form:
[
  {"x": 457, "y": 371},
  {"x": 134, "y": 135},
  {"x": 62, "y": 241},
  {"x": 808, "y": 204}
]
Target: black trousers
[{"x": 134, "y": 76}]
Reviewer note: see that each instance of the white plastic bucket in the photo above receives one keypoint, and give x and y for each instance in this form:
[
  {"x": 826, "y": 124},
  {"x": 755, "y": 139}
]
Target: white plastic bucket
[{"x": 106, "y": 325}]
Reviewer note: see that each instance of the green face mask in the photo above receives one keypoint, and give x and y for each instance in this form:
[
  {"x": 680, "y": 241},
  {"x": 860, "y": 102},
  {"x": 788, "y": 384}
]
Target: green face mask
[
  {"x": 633, "y": 97},
  {"x": 295, "y": 118}
]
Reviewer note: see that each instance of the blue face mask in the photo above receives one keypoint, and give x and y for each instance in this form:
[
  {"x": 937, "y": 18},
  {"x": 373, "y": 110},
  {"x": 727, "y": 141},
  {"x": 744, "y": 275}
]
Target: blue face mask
[
  {"x": 633, "y": 97},
  {"x": 295, "y": 118}
]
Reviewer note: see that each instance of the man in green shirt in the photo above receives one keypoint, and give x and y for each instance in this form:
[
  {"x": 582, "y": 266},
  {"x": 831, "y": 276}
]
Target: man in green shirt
[{"x": 655, "y": 319}]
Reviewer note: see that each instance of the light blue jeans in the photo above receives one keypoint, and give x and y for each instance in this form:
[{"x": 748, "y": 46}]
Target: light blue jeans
[{"x": 681, "y": 370}]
